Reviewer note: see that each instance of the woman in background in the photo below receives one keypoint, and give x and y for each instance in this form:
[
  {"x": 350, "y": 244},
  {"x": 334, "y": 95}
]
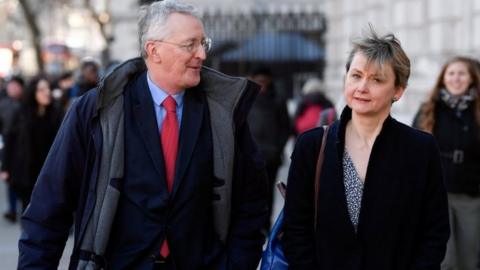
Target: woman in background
[
  {"x": 452, "y": 115},
  {"x": 30, "y": 137},
  {"x": 382, "y": 203}
]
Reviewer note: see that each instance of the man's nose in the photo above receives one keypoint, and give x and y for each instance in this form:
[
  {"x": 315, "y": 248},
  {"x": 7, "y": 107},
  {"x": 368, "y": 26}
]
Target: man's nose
[{"x": 201, "y": 53}]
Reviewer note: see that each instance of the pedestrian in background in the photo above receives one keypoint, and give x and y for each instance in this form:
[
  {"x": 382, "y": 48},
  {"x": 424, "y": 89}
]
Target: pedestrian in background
[
  {"x": 61, "y": 90},
  {"x": 314, "y": 109},
  {"x": 28, "y": 140},
  {"x": 452, "y": 115},
  {"x": 270, "y": 126},
  {"x": 9, "y": 108},
  {"x": 157, "y": 163},
  {"x": 87, "y": 79},
  {"x": 381, "y": 200}
]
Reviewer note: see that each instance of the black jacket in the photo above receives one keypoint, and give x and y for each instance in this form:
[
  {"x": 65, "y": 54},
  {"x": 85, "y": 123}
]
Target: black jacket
[
  {"x": 403, "y": 222},
  {"x": 26, "y": 146},
  {"x": 270, "y": 125},
  {"x": 459, "y": 141}
]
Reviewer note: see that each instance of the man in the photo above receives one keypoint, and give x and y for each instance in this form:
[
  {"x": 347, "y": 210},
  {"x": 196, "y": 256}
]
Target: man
[
  {"x": 270, "y": 126},
  {"x": 87, "y": 79},
  {"x": 9, "y": 107},
  {"x": 113, "y": 164}
]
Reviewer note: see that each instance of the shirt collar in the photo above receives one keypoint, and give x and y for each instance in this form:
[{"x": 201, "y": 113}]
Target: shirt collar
[{"x": 159, "y": 95}]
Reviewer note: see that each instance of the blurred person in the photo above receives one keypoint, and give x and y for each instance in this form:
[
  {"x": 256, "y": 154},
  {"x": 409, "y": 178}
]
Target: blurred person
[
  {"x": 452, "y": 115},
  {"x": 270, "y": 126},
  {"x": 2, "y": 88},
  {"x": 88, "y": 78},
  {"x": 314, "y": 108},
  {"x": 61, "y": 90},
  {"x": 28, "y": 140},
  {"x": 9, "y": 107},
  {"x": 381, "y": 203},
  {"x": 157, "y": 163}
]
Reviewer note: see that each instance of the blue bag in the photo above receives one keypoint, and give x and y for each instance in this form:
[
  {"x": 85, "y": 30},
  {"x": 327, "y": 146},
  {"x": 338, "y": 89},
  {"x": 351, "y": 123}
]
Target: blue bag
[{"x": 273, "y": 257}]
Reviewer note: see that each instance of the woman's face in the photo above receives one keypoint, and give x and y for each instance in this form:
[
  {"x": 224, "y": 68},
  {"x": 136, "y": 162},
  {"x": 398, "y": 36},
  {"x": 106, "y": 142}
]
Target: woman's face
[
  {"x": 370, "y": 87},
  {"x": 43, "y": 94},
  {"x": 457, "y": 78}
]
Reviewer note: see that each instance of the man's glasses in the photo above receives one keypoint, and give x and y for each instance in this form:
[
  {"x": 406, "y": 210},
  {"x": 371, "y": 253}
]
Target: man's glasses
[{"x": 191, "y": 47}]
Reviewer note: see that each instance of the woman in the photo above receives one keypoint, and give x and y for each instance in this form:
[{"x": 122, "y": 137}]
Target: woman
[
  {"x": 452, "y": 115},
  {"x": 382, "y": 204},
  {"x": 30, "y": 138},
  {"x": 314, "y": 108}
]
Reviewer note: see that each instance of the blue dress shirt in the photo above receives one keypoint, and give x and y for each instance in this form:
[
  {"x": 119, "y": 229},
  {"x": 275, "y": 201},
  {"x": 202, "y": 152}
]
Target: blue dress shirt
[{"x": 158, "y": 96}]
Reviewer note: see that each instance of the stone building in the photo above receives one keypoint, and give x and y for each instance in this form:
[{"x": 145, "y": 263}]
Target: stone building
[{"x": 431, "y": 31}]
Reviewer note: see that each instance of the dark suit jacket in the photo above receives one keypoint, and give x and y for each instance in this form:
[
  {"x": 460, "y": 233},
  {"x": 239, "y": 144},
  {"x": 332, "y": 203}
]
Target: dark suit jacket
[
  {"x": 147, "y": 212},
  {"x": 403, "y": 221}
]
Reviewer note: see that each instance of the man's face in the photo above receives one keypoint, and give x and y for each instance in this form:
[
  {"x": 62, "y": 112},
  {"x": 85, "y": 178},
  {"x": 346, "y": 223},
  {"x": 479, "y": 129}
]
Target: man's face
[
  {"x": 180, "y": 55},
  {"x": 14, "y": 90},
  {"x": 90, "y": 74},
  {"x": 263, "y": 80}
]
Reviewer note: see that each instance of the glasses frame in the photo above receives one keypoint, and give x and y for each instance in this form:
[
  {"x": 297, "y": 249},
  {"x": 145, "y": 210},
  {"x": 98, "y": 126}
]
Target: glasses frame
[{"x": 205, "y": 43}]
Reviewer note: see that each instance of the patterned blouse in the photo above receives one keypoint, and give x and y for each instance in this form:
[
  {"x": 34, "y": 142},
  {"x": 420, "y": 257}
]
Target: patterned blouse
[{"x": 353, "y": 189}]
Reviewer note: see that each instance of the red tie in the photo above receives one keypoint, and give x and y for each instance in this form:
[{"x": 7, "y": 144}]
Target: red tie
[{"x": 169, "y": 136}]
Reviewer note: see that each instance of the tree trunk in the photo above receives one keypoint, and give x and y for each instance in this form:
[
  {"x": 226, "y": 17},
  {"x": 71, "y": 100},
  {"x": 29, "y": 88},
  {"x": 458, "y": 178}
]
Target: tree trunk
[
  {"x": 108, "y": 38},
  {"x": 34, "y": 32}
]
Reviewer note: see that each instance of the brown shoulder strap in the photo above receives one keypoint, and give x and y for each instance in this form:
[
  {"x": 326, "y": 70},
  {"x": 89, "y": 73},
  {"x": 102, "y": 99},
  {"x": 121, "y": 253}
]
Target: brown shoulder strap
[{"x": 318, "y": 171}]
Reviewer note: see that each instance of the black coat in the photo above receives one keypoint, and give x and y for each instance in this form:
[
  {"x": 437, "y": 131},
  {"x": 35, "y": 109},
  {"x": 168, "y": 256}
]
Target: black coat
[
  {"x": 458, "y": 139},
  {"x": 270, "y": 125},
  {"x": 26, "y": 146},
  {"x": 403, "y": 221}
]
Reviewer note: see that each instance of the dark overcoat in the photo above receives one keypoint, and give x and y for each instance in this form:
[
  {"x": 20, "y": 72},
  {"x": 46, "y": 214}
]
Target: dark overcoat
[
  {"x": 146, "y": 213},
  {"x": 403, "y": 222}
]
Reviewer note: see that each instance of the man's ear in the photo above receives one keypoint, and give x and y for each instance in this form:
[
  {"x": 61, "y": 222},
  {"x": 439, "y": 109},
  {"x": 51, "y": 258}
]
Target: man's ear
[{"x": 152, "y": 51}]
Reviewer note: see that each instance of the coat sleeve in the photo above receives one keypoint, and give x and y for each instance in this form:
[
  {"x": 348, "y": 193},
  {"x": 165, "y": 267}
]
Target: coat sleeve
[
  {"x": 249, "y": 206},
  {"x": 47, "y": 220},
  {"x": 298, "y": 240},
  {"x": 434, "y": 224},
  {"x": 417, "y": 118}
]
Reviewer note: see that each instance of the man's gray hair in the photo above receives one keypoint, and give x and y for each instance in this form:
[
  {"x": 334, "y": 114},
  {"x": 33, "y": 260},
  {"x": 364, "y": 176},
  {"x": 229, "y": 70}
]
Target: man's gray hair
[
  {"x": 382, "y": 50},
  {"x": 153, "y": 17}
]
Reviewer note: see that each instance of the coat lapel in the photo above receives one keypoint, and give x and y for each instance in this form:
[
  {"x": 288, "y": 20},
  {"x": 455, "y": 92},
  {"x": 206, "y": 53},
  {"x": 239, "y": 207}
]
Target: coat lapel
[
  {"x": 144, "y": 115},
  {"x": 339, "y": 186},
  {"x": 192, "y": 117}
]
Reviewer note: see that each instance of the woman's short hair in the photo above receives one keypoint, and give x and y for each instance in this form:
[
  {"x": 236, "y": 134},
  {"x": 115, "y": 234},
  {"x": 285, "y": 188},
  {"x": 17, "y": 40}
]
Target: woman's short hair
[
  {"x": 152, "y": 20},
  {"x": 382, "y": 50}
]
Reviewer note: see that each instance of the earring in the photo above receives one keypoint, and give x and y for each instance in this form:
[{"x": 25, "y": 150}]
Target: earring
[{"x": 394, "y": 99}]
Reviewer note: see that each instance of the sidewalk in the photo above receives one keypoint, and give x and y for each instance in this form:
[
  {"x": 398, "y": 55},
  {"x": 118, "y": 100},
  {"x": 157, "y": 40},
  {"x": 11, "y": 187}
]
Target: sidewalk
[{"x": 9, "y": 235}]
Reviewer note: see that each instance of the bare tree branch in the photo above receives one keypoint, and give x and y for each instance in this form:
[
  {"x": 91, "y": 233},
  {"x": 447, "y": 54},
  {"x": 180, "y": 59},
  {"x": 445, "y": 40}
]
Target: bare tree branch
[
  {"x": 107, "y": 37},
  {"x": 35, "y": 32}
]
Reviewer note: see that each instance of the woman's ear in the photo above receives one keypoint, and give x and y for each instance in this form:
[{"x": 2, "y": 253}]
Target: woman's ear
[{"x": 399, "y": 90}]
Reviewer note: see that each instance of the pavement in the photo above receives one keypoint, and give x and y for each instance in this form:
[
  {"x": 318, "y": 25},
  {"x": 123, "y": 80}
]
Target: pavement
[{"x": 10, "y": 232}]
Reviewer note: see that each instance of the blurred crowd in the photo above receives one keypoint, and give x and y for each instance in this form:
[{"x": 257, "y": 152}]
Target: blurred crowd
[{"x": 31, "y": 111}]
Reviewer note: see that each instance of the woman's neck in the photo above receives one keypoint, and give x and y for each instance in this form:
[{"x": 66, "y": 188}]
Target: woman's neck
[
  {"x": 41, "y": 110},
  {"x": 364, "y": 130}
]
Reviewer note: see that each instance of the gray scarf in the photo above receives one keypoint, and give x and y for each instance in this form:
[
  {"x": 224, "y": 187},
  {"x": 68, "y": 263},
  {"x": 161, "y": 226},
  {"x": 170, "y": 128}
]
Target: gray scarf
[{"x": 458, "y": 103}]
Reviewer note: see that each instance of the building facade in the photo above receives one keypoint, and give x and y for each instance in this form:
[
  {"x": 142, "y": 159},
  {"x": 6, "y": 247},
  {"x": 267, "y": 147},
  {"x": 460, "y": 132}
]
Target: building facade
[{"x": 431, "y": 31}]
